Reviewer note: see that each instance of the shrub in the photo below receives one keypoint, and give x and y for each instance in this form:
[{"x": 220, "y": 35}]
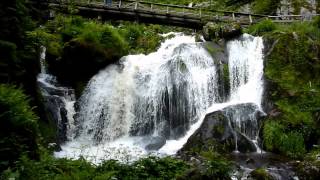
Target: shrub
[
  {"x": 261, "y": 28},
  {"x": 217, "y": 166},
  {"x": 51, "y": 168},
  {"x": 18, "y": 126},
  {"x": 279, "y": 139},
  {"x": 293, "y": 67},
  {"x": 266, "y": 6}
]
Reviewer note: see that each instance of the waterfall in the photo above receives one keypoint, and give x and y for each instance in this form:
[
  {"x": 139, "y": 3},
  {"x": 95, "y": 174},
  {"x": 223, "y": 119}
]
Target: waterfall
[
  {"x": 160, "y": 94},
  {"x": 58, "y": 100},
  {"x": 153, "y": 103},
  {"x": 246, "y": 82},
  {"x": 246, "y": 69}
]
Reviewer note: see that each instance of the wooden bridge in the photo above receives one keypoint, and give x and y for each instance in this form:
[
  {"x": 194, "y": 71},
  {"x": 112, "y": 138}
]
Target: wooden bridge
[{"x": 156, "y": 13}]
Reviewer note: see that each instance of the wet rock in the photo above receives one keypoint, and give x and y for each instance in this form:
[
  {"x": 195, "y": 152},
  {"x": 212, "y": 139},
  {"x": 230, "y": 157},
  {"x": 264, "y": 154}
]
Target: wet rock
[
  {"x": 219, "y": 131},
  {"x": 154, "y": 143},
  {"x": 260, "y": 166},
  {"x": 274, "y": 113},
  {"x": 309, "y": 170},
  {"x": 54, "y": 97},
  {"x": 250, "y": 161}
]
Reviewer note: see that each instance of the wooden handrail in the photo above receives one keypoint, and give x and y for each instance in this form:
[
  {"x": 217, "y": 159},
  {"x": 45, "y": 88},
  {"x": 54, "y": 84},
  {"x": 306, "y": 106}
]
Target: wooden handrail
[{"x": 179, "y": 10}]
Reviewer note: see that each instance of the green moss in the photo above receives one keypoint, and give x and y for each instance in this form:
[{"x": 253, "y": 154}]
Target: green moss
[
  {"x": 212, "y": 50},
  {"x": 293, "y": 68},
  {"x": 226, "y": 78},
  {"x": 260, "y": 174}
]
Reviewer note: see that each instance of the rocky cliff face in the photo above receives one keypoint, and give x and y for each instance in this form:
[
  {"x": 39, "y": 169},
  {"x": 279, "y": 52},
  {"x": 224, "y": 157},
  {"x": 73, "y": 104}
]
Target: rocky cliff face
[{"x": 292, "y": 7}]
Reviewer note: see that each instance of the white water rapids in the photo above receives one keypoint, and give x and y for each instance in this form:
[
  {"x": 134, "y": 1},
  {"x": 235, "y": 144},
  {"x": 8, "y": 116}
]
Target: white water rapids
[{"x": 160, "y": 99}]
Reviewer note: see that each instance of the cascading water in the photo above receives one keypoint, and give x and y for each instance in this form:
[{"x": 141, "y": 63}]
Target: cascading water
[
  {"x": 147, "y": 102},
  {"x": 246, "y": 83},
  {"x": 146, "y": 99},
  {"x": 58, "y": 100}
]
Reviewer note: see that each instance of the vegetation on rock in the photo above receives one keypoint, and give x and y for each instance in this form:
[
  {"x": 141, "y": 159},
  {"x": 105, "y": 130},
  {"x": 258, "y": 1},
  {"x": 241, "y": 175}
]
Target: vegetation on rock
[{"x": 293, "y": 72}]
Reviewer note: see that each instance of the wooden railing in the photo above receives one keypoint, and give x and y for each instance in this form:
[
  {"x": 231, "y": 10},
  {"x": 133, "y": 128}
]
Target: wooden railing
[{"x": 202, "y": 14}]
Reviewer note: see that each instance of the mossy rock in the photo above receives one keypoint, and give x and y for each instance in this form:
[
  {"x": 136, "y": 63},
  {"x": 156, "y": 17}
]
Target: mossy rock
[
  {"x": 260, "y": 174},
  {"x": 309, "y": 170},
  {"x": 212, "y": 31}
]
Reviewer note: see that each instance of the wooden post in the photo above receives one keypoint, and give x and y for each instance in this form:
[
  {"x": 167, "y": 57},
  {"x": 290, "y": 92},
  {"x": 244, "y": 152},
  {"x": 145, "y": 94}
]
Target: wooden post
[
  {"x": 120, "y": 4},
  {"x": 136, "y": 5},
  {"x": 151, "y": 7},
  {"x": 233, "y": 17},
  {"x": 51, "y": 14},
  {"x": 167, "y": 9},
  {"x": 250, "y": 18},
  {"x": 200, "y": 12}
]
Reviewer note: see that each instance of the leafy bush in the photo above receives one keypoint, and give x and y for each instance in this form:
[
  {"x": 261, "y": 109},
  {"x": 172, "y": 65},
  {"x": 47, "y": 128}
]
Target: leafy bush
[
  {"x": 51, "y": 168},
  {"x": 262, "y": 27},
  {"x": 18, "y": 126},
  {"x": 272, "y": 132},
  {"x": 266, "y": 6},
  {"x": 278, "y": 138},
  {"x": 217, "y": 166}
]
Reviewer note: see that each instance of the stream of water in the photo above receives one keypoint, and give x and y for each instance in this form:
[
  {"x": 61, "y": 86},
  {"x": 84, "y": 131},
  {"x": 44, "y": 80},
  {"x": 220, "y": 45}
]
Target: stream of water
[{"x": 152, "y": 104}]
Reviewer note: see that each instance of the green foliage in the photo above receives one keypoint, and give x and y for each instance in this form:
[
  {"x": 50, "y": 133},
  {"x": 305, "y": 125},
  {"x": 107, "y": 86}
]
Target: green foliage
[
  {"x": 280, "y": 139},
  {"x": 19, "y": 132},
  {"x": 51, "y": 168},
  {"x": 260, "y": 174},
  {"x": 9, "y": 49},
  {"x": 127, "y": 37},
  {"x": 297, "y": 4},
  {"x": 142, "y": 38},
  {"x": 261, "y": 28},
  {"x": 217, "y": 166},
  {"x": 272, "y": 132},
  {"x": 266, "y": 6},
  {"x": 14, "y": 21},
  {"x": 293, "y": 70}
]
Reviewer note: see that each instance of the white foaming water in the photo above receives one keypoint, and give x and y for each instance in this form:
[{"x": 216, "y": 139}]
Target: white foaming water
[
  {"x": 164, "y": 94},
  {"x": 58, "y": 100},
  {"x": 246, "y": 69},
  {"x": 160, "y": 95},
  {"x": 246, "y": 82}
]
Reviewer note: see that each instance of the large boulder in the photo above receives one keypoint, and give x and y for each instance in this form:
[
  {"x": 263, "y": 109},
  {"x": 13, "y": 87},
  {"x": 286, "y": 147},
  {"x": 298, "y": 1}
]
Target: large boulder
[{"x": 219, "y": 130}]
